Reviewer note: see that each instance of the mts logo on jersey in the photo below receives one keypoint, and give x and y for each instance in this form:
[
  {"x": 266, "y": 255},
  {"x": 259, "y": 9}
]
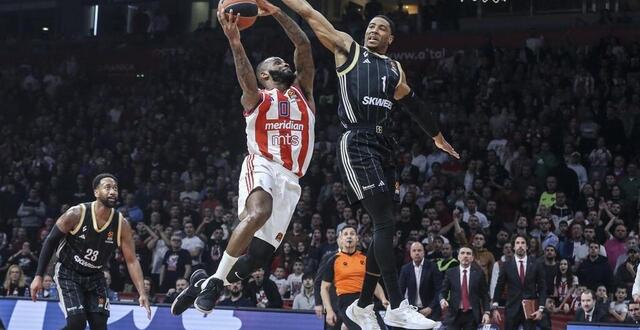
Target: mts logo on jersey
[
  {"x": 376, "y": 101},
  {"x": 285, "y": 139}
]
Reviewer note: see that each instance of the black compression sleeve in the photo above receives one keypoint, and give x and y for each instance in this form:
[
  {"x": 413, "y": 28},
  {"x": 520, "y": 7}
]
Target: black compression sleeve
[
  {"x": 48, "y": 247},
  {"x": 417, "y": 109}
]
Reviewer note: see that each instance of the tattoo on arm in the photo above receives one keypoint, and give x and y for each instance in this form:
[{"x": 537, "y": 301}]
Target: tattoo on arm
[
  {"x": 246, "y": 76},
  {"x": 293, "y": 31},
  {"x": 302, "y": 56}
]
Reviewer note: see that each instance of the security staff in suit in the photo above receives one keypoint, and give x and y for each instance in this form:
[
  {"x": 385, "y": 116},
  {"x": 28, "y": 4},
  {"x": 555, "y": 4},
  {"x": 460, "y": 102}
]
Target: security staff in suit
[
  {"x": 469, "y": 294},
  {"x": 420, "y": 281},
  {"x": 588, "y": 312},
  {"x": 524, "y": 279}
]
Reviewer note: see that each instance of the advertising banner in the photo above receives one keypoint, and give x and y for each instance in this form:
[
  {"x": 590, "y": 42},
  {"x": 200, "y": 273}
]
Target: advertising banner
[{"x": 47, "y": 315}]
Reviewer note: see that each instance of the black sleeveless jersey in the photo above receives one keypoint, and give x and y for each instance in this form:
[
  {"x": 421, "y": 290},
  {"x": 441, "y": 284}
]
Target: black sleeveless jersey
[
  {"x": 367, "y": 83},
  {"x": 87, "y": 249}
]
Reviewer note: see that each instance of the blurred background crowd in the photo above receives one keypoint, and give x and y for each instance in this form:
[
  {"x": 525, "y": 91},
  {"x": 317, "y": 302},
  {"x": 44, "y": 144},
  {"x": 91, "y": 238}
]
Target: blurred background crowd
[{"x": 548, "y": 137}]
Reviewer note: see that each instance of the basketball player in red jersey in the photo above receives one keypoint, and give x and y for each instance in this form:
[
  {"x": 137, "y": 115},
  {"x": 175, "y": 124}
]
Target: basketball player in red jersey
[{"x": 280, "y": 121}]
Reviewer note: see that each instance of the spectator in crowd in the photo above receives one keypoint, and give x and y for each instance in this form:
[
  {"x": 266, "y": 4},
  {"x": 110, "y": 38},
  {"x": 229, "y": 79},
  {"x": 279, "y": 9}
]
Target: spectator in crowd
[
  {"x": 280, "y": 279},
  {"x": 483, "y": 257},
  {"x": 192, "y": 243},
  {"x": 150, "y": 290},
  {"x": 26, "y": 259},
  {"x": 131, "y": 210},
  {"x": 565, "y": 285},
  {"x": 547, "y": 237},
  {"x": 214, "y": 249},
  {"x": 626, "y": 273},
  {"x": 32, "y": 212},
  {"x": 472, "y": 210},
  {"x": 49, "y": 288},
  {"x": 262, "y": 291},
  {"x": 549, "y": 260},
  {"x": 507, "y": 254},
  {"x": 633, "y": 317},
  {"x": 180, "y": 285},
  {"x": 111, "y": 294},
  {"x": 14, "y": 282},
  {"x": 618, "y": 307},
  {"x": 295, "y": 278},
  {"x": 236, "y": 297},
  {"x": 175, "y": 264},
  {"x": 305, "y": 300},
  {"x": 630, "y": 243},
  {"x": 447, "y": 261},
  {"x": 615, "y": 244},
  {"x": 158, "y": 244},
  {"x": 595, "y": 270}
]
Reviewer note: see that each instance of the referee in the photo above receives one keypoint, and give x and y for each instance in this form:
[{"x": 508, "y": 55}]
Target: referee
[{"x": 345, "y": 270}]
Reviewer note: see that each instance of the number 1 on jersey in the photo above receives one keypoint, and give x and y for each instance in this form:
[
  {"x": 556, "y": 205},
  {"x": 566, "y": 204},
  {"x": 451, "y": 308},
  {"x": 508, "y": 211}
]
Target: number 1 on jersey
[{"x": 384, "y": 83}]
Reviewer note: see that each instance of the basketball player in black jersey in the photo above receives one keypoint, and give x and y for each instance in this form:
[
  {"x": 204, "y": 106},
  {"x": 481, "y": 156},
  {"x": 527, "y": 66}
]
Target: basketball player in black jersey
[
  {"x": 84, "y": 239},
  {"x": 370, "y": 84}
]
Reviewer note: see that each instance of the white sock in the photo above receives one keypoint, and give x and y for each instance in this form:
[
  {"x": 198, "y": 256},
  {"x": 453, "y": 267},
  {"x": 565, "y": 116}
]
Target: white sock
[{"x": 223, "y": 270}]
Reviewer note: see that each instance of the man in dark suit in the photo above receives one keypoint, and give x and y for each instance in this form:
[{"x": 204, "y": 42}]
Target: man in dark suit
[
  {"x": 633, "y": 317},
  {"x": 469, "y": 294},
  {"x": 420, "y": 281},
  {"x": 524, "y": 279},
  {"x": 588, "y": 311}
]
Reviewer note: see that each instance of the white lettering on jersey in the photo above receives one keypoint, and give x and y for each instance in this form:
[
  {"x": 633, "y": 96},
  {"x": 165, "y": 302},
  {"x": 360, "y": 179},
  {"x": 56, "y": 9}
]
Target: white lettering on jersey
[
  {"x": 84, "y": 263},
  {"x": 376, "y": 101},
  {"x": 284, "y": 125},
  {"x": 280, "y": 129}
]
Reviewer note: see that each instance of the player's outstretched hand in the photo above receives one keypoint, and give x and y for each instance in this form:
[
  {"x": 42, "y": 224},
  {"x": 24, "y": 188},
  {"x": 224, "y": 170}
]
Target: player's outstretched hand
[
  {"x": 144, "y": 302},
  {"x": 229, "y": 23},
  {"x": 266, "y": 8},
  {"x": 442, "y": 144}
]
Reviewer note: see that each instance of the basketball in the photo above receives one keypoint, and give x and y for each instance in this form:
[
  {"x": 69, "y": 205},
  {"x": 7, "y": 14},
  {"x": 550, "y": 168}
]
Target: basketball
[{"x": 247, "y": 9}]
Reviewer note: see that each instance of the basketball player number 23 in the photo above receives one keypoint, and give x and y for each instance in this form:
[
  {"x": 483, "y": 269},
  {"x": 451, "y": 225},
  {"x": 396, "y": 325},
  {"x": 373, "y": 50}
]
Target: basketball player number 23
[{"x": 92, "y": 254}]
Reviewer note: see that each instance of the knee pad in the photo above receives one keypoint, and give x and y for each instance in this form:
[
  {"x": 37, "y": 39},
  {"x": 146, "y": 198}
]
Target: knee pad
[
  {"x": 258, "y": 255},
  {"x": 260, "y": 252}
]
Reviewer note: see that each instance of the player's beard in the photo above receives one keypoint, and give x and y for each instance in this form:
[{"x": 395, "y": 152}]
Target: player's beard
[
  {"x": 109, "y": 203},
  {"x": 286, "y": 77}
]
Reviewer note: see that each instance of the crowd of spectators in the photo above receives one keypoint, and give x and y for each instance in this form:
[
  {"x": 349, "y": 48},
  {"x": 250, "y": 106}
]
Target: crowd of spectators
[{"x": 548, "y": 138}]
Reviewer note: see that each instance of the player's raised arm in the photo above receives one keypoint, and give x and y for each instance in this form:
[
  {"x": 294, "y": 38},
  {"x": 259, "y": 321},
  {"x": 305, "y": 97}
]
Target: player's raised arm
[
  {"x": 334, "y": 40},
  {"x": 133, "y": 265},
  {"x": 421, "y": 114},
  {"x": 244, "y": 69},
  {"x": 302, "y": 56},
  {"x": 66, "y": 223}
]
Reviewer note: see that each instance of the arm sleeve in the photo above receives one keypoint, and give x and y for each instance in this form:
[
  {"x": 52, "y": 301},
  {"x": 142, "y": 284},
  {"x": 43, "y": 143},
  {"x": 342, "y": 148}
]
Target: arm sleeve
[
  {"x": 636, "y": 283},
  {"x": 417, "y": 109},
  {"x": 48, "y": 247}
]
